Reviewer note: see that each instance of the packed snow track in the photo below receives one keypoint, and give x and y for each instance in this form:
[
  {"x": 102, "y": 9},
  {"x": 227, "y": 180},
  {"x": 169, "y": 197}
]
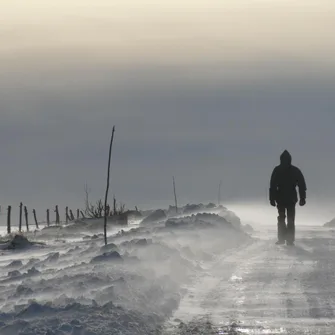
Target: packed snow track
[{"x": 265, "y": 289}]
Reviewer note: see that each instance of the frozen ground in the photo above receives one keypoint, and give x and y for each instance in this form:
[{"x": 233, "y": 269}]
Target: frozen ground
[
  {"x": 193, "y": 275},
  {"x": 264, "y": 289},
  {"x": 74, "y": 285}
]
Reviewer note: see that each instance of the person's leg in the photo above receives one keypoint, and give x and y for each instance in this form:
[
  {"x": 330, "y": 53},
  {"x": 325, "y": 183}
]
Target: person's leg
[
  {"x": 281, "y": 223},
  {"x": 290, "y": 224}
]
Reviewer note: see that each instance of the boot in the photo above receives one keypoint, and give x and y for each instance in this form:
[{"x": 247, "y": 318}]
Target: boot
[{"x": 281, "y": 234}]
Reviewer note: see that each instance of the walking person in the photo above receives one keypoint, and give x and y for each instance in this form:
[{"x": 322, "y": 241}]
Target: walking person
[{"x": 283, "y": 194}]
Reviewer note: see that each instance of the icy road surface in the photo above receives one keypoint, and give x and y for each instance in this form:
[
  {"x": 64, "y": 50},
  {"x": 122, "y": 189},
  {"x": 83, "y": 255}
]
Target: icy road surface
[{"x": 265, "y": 289}]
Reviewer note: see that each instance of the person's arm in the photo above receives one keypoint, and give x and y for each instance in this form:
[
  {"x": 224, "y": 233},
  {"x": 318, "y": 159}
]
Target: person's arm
[{"x": 301, "y": 185}]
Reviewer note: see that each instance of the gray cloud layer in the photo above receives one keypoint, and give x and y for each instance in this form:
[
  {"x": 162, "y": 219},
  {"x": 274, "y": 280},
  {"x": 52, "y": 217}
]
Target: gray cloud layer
[{"x": 199, "y": 124}]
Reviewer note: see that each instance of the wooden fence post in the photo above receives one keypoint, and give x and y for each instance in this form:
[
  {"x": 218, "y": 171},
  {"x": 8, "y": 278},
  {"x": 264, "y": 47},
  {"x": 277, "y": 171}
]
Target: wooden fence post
[
  {"x": 48, "y": 217},
  {"x": 8, "y": 219},
  {"x": 20, "y": 222},
  {"x": 57, "y": 215},
  {"x": 35, "y": 218},
  {"x": 78, "y": 214},
  {"x": 82, "y": 214},
  {"x": 26, "y": 216},
  {"x": 71, "y": 215},
  {"x": 66, "y": 215}
]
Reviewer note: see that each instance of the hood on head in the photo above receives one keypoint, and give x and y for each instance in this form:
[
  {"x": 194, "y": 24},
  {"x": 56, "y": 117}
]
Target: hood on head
[{"x": 285, "y": 158}]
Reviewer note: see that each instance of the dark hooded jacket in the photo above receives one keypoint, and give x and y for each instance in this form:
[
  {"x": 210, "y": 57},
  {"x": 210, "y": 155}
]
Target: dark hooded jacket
[{"x": 284, "y": 180}]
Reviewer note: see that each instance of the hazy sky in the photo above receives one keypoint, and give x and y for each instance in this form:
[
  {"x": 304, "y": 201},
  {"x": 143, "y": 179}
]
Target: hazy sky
[{"x": 203, "y": 90}]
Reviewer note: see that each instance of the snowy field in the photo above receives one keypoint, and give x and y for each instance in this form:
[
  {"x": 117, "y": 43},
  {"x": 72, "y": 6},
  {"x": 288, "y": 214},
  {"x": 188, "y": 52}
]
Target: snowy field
[
  {"x": 196, "y": 274},
  {"x": 74, "y": 285}
]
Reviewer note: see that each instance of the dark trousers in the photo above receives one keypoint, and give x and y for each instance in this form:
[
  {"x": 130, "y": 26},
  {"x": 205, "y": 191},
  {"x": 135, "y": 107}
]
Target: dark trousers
[{"x": 286, "y": 231}]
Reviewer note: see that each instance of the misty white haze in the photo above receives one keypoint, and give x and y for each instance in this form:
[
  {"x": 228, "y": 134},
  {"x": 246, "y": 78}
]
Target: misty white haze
[{"x": 207, "y": 92}]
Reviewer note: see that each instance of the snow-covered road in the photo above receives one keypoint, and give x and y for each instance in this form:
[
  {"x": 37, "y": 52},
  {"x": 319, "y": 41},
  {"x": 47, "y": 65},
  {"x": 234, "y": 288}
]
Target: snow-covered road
[{"x": 265, "y": 289}]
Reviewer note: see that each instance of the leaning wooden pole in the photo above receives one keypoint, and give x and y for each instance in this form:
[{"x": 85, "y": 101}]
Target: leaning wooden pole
[
  {"x": 71, "y": 215},
  {"x": 107, "y": 187},
  {"x": 35, "y": 218},
  {"x": 8, "y": 220},
  {"x": 20, "y": 222},
  {"x": 175, "y": 194},
  {"x": 26, "y": 217},
  {"x": 66, "y": 215}
]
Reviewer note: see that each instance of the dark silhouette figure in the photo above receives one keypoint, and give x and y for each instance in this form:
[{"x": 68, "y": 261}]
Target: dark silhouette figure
[{"x": 283, "y": 194}]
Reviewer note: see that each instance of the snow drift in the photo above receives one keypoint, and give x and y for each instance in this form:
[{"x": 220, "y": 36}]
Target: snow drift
[{"x": 130, "y": 286}]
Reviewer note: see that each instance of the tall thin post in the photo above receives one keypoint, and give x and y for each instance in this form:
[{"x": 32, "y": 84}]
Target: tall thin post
[
  {"x": 82, "y": 214},
  {"x": 107, "y": 186},
  {"x": 175, "y": 194},
  {"x": 66, "y": 215},
  {"x": 35, "y": 218},
  {"x": 48, "y": 217},
  {"x": 57, "y": 215},
  {"x": 219, "y": 194},
  {"x": 20, "y": 222},
  {"x": 71, "y": 215},
  {"x": 26, "y": 217},
  {"x": 78, "y": 214},
  {"x": 8, "y": 219}
]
